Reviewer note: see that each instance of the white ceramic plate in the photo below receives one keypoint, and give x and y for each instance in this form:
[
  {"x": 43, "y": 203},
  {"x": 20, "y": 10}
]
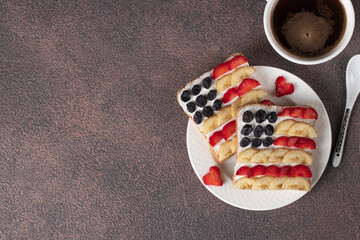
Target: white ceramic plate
[{"x": 202, "y": 159}]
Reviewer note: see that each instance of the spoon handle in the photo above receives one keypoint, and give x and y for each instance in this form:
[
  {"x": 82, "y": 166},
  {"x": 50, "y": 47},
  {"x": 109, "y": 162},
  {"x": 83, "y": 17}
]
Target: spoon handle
[{"x": 340, "y": 143}]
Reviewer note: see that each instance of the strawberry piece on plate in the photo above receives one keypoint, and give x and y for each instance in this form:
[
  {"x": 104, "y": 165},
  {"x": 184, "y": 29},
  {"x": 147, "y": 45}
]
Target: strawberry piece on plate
[
  {"x": 213, "y": 177},
  {"x": 246, "y": 85},
  {"x": 285, "y": 112},
  {"x": 243, "y": 171},
  {"x": 220, "y": 70},
  {"x": 229, "y": 95},
  {"x": 282, "y": 87},
  {"x": 300, "y": 171},
  {"x": 284, "y": 171},
  {"x": 306, "y": 143},
  {"x": 310, "y": 113},
  {"x": 272, "y": 170},
  {"x": 292, "y": 141},
  {"x": 229, "y": 129},
  {"x": 297, "y": 112},
  {"x": 237, "y": 61},
  {"x": 215, "y": 138},
  {"x": 281, "y": 141},
  {"x": 256, "y": 171},
  {"x": 267, "y": 102}
]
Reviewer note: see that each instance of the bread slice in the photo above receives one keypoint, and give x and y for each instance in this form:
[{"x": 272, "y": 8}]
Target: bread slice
[
  {"x": 217, "y": 114},
  {"x": 274, "y": 136}
]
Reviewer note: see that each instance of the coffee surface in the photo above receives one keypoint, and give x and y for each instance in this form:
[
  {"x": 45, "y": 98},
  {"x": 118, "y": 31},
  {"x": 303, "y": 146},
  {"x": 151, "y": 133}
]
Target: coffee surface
[{"x": 308, "y": 28}]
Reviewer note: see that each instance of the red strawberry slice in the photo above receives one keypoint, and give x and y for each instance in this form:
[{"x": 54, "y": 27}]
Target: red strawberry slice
[
  {"x": 237, "y": 61},
  {"x": 246, "y": 85},
  {"x": 213, "y": 177},
  {"x": 310, "y": 113},
  {"x": 272, "y": 170},
  {"x": 256, "y": 171},
  {"x": 243, "y": 171},
  {"x": 229, "y": 129},
  {"x": 215, "y": 138},
  {"x": 267, "y": 102},
  {"x": 292, "y": 141},
  {"x": 230, "y": 94},
  {"x": 281, "y": 141},
  {"x": 300, "y": 171},
  {"x": 306, "y": 143},
  {"x": 297, "y": 112},
  {"x": 220, "y": 70},
  {"x": 285, "y": 112},
  {"x": 284, "y": 171},
  {"x": 283, "y": 88}
]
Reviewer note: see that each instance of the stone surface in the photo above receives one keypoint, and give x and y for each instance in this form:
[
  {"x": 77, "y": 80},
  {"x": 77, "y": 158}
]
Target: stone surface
[{"x": 93, "y": 140}]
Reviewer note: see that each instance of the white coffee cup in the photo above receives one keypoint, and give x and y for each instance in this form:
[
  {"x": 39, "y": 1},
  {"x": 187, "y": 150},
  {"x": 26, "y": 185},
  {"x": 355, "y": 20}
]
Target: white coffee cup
[{"x": 349, "y": 29}]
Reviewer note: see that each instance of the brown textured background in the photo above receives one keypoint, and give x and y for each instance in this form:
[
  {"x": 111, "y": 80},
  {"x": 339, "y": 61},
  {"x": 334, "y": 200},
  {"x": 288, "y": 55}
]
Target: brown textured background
[{"x": 93, "y": 140}]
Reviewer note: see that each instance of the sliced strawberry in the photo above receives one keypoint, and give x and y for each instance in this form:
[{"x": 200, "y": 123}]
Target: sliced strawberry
[
  {"x": 284, "y": 171},
  {"x": 229, "y": 129},
  {"x": 310, "y": 113},
  {"x": 281, "y": 141},
  {"x": 282, "y": 87},
  {"x": 247, "y": 85},
  {"x": 215, "y": 138},
  {"x": 306, "y": 143},
  {"x": 256, "y": 171},
  {"x": 300, "y": 171},
  {"x": 272, "y": 170},
  {"x": 297, "y": 112},
  {"x": 237, "y": 61},
  {"x": 230, "y": 94},
  {"x": 243, "y": 171},
  {"x": 267, "y": 102},
  {"x": 292, "y": 141},
  {"x": 220, "y": 70},
  {"x": 213, "y": 177},
  {"x": 285, "y": 112}
]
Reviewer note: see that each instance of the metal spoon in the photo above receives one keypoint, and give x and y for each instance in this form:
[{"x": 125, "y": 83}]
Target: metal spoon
[{"x": 352, "y": 92}]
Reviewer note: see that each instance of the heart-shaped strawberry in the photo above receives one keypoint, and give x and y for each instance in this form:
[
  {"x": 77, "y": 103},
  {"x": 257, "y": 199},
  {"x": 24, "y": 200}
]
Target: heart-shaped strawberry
[
  {"x": 213, "y": 177},
  {"x": 282, "y": 87}
]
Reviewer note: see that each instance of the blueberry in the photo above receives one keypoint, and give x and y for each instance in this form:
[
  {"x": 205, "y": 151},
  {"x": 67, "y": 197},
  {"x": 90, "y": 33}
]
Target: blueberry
[
  {"x": 217, "y": 105},
  {"x": 246, "y": 130},
  {"x": 244, "y": 142},
  {"x": 198, "y": 117},
  {"x": 207, "y": 111},
  {"x": 201, "y": 101},
  {"x": 269, "y": 130},
  {"x": 267, "y": 142},
  {"x": 185, "y": 96},
  {"x": 256, "y": 142},
  {"x": 248, "y": 116},
  {"x": 272, "y": 117},
  {"x": 191, "y": 107},
  {"x": 258, "y": 131},
  {"x": 212, "y": 95},
  {"x": 206, "y": 82},
  {"x": 260, "y": 116},
  {"x": 196, "y": 90}
]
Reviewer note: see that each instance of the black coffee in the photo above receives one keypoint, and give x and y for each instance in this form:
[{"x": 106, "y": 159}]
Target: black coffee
[{"x": 308, "y": 28}]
